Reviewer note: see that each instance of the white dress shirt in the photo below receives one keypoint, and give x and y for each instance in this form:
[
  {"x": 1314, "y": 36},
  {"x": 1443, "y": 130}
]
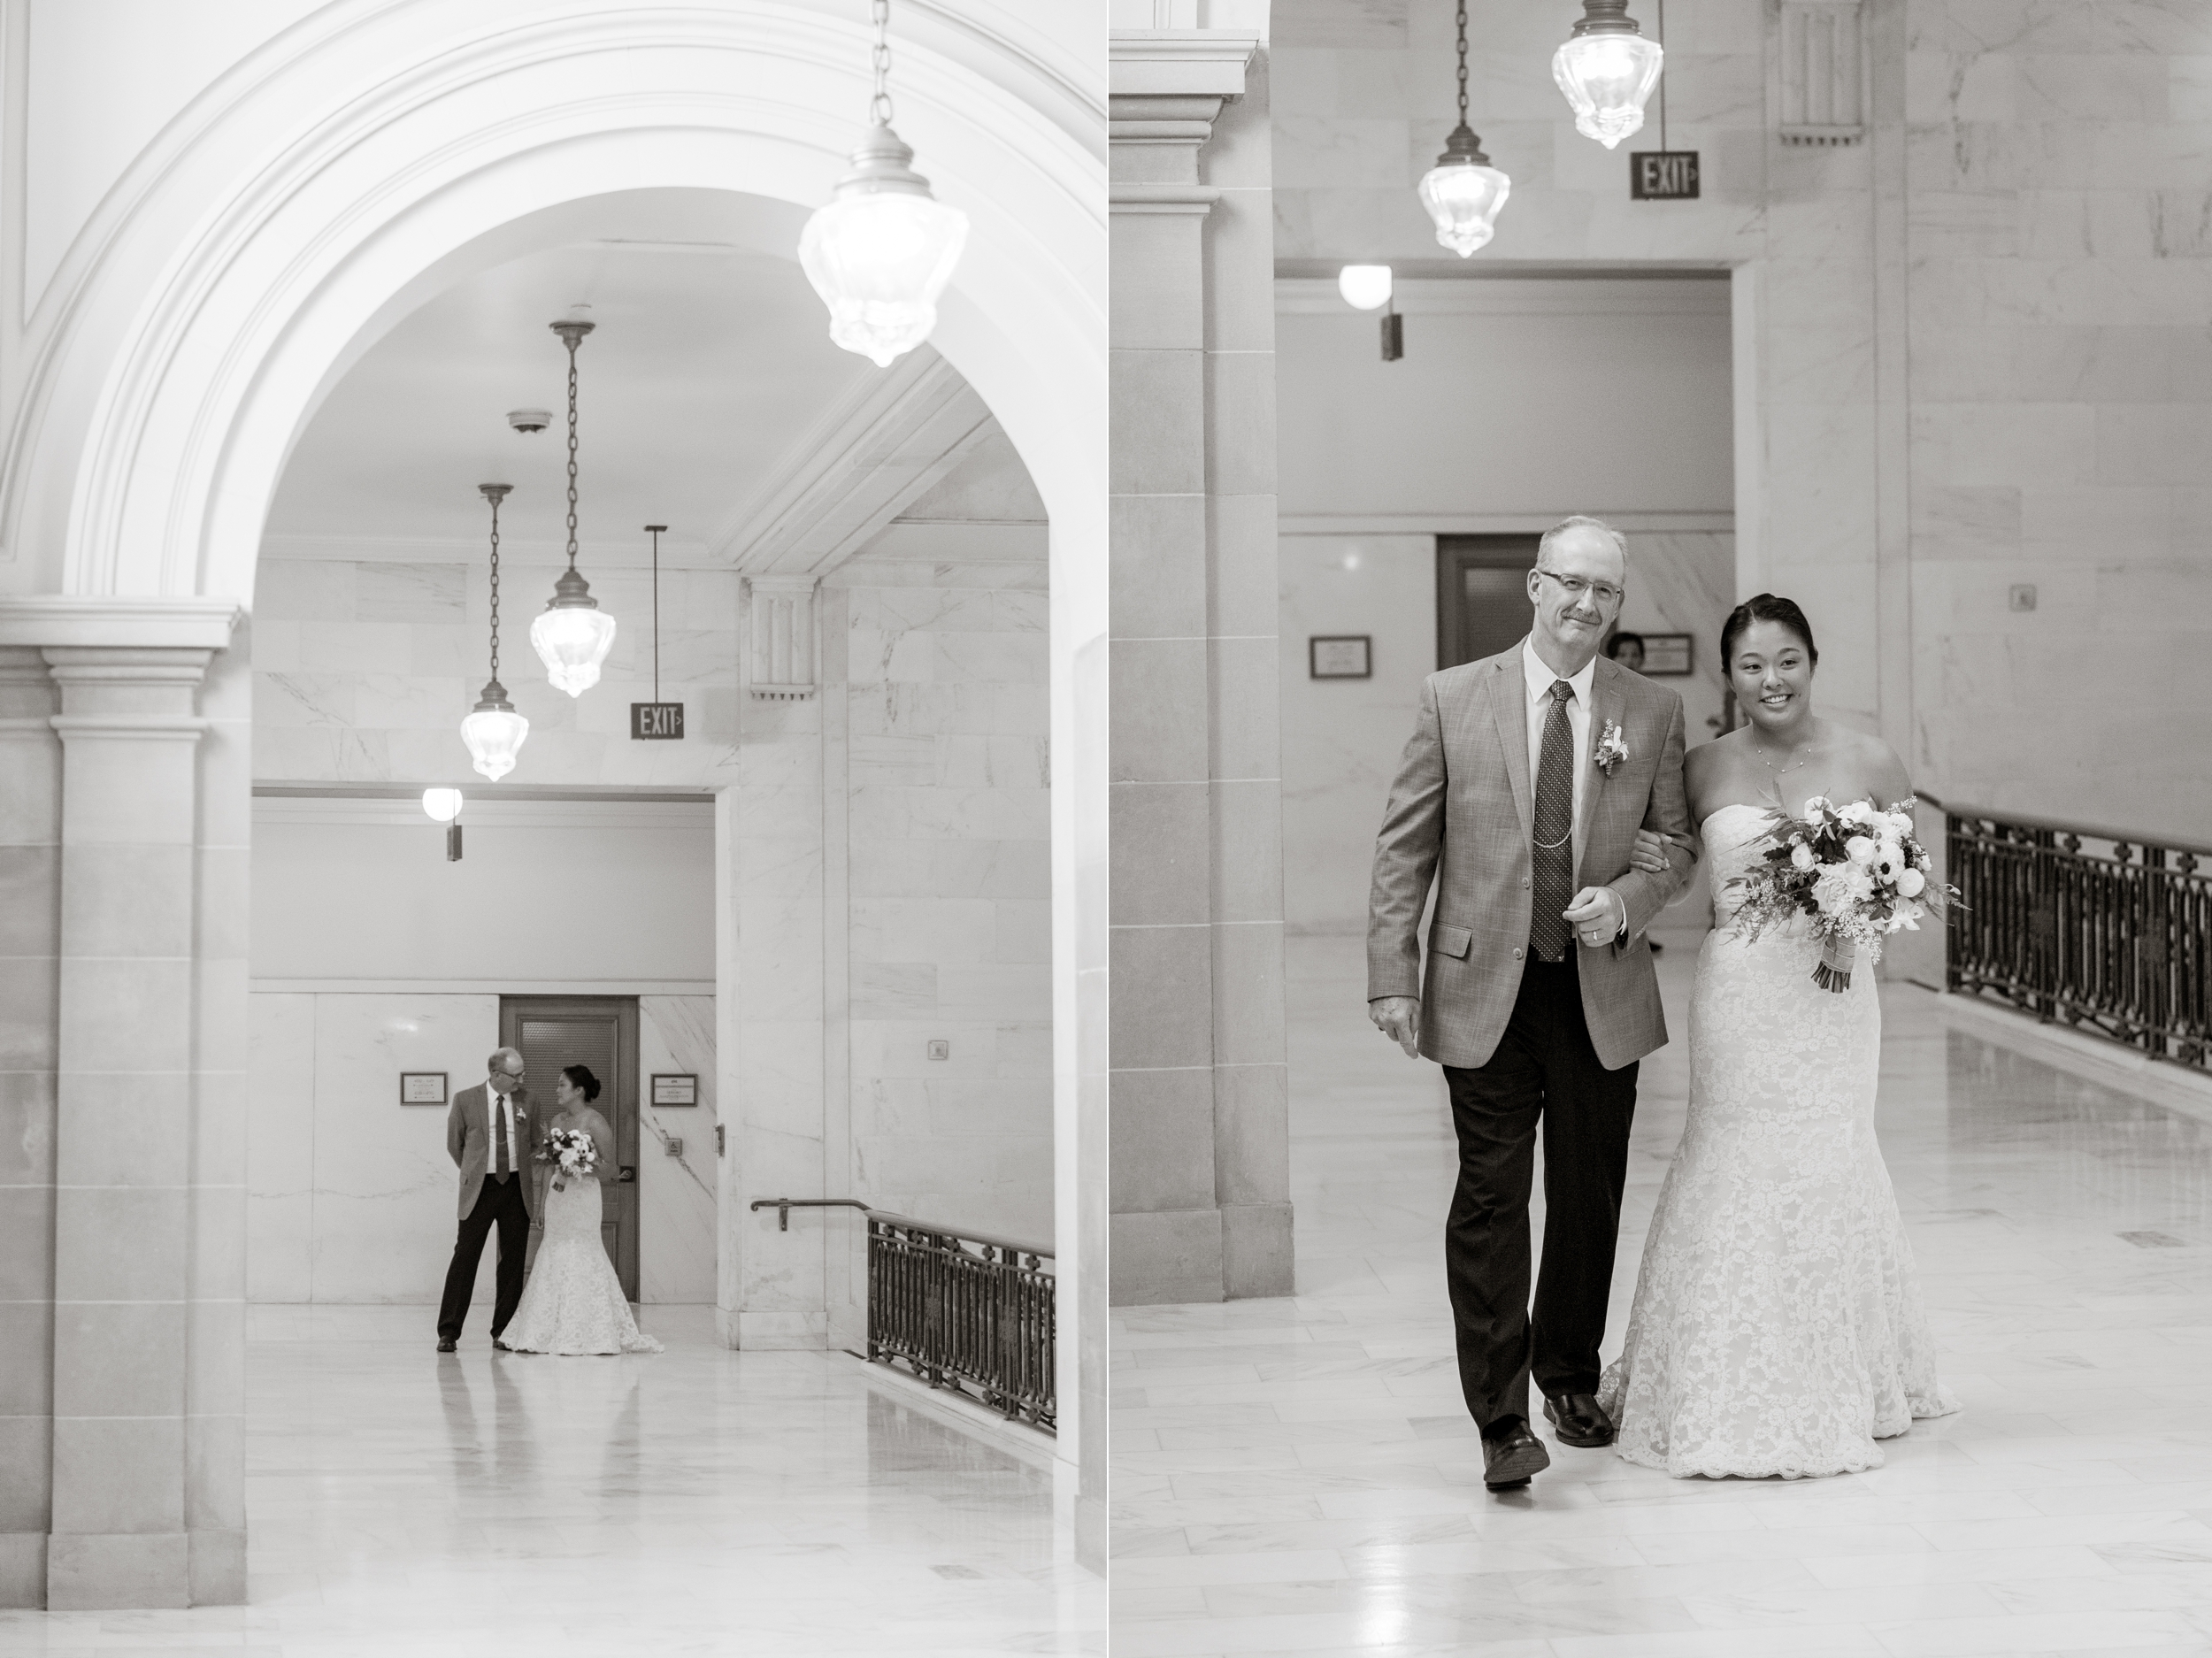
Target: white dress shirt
[{"x": 1541, "y": 679}]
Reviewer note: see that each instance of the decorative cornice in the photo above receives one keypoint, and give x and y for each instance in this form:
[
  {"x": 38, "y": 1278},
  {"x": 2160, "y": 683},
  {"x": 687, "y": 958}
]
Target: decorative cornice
[
  {"x": 1185, "y": 63},
  {"x": 84, "y": 621}
]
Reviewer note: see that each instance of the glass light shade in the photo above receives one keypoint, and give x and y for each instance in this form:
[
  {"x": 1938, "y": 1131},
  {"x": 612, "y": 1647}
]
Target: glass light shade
[
  {"x": 571, "y": 641},
  {"x": 1607, "y": 76},
  {"x": 881, "y": 253},
  {"x": 494, "y": 735},
  {"x": 1364, "y": 287},
  {"x": 444, "y": 804},
  {"x": 1464, "y": 196}
]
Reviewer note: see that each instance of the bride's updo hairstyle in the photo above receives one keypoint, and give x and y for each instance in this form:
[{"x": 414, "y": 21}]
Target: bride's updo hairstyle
[
  {"x": 580, "y": 1077},
  {"x": 1764, "y": 606}
]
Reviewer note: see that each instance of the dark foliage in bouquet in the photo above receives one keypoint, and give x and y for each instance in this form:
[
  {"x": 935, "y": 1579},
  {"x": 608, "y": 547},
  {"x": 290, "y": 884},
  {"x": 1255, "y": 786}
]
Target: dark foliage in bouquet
[{"x": 1858, "y": 870}]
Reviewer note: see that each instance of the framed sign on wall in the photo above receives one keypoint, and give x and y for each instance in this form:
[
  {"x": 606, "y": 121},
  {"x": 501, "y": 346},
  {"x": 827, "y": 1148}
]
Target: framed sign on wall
[
  {"x": 1339, "y": 657},
  {"x": 1667, "y": 654},
  {"x": 675, "y": 1088},
  {"x": 422, "y": 1087}
]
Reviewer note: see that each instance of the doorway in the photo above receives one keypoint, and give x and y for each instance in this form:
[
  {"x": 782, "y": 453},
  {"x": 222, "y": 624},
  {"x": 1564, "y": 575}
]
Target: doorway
[
  {"x": 1481, "y": 595},
  {"x": 601, "y": 1031}
]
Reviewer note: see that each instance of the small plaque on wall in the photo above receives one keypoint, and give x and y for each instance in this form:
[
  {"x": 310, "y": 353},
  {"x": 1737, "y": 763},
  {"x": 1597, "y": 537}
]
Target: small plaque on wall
[
  {"x": 656, "y": 722},
  {"x": 1667, "y": 654},
  {"x": 1339, "y": 657},
  {"x": 1662, "y": 175},
  {"x": 675, "y": 1088},
  {"x": 422, "y": 1087}
]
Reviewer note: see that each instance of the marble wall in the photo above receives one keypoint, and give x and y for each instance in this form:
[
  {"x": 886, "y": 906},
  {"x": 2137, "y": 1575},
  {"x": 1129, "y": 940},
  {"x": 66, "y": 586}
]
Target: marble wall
[{"x": 1963, "y": 343}]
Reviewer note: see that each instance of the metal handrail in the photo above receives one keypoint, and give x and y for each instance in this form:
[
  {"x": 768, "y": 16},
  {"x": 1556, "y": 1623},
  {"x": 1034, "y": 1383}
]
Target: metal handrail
[
  {"x": 787, "y": 1204},
  {"x": 2088, "y": 831}
]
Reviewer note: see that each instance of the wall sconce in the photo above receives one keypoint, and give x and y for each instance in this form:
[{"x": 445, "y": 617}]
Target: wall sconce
[
  {"x": 444, "y": 806},
  {"x": 1365, "y": 287}
]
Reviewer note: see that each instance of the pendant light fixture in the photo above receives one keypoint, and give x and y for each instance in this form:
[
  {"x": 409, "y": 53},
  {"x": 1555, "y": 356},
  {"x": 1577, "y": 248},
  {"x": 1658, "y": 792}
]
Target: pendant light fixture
[
  {"x": 1462, "y": 191},
  {"x": 493, "y": 731},
  {"x": 1607, "y": 69},
  {"x": 882, "y": 250},
  {"x": 572, "y": 634}
]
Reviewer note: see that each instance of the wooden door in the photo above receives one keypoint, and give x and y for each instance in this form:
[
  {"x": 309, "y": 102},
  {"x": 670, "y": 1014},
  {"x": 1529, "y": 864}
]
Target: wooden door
[
  {"x": 1482, "y": 604},
  {"x": 601, "y": 1031}
]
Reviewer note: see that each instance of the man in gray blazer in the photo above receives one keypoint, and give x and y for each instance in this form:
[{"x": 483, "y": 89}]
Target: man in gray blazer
[
  {"x": 487, "y": 1134},
  {"x": 1520, "y": 795}
]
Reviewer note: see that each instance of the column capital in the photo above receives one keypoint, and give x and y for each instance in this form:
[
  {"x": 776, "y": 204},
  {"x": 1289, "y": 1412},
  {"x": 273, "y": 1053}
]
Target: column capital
[{"x": 90, "y": 621}]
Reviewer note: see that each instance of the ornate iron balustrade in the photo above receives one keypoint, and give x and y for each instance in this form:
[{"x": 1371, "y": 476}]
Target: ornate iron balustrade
[
  {"x": 964, "y": 1310},
  {"x": 2102, "y": 930}
]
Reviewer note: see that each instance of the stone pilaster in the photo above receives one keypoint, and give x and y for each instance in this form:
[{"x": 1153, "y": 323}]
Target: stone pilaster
[
  {"x": 123, "y": 1476},
  {"x": 30, "y": 954},
  {"x": 1200, "y": 1166}
]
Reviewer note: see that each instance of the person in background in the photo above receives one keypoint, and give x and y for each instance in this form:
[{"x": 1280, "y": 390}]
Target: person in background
[{"x": 1627, "y": 650}]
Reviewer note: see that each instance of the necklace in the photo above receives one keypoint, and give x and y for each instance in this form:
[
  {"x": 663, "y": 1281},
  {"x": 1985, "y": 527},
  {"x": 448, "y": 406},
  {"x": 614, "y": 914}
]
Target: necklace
[{"x": 1786, "y": 770}]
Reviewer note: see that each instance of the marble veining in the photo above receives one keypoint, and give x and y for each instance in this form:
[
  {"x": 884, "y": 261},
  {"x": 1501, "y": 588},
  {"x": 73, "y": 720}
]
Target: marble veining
[
  {"x": 698, "y": 1501},
  {"x": 1298, "y": 1476}
]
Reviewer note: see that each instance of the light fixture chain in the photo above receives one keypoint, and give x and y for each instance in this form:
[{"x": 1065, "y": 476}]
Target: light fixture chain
[
  {"x": 495, "y": 587},
  {"x": 879, "y": 106},
  {"x": 571, "y": 451},
  {"x": 1463, "y": 62}
]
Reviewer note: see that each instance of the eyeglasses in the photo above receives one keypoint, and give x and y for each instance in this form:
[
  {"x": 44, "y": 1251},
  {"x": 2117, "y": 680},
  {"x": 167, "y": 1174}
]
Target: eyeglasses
[{"x": 1575, "y": 587}]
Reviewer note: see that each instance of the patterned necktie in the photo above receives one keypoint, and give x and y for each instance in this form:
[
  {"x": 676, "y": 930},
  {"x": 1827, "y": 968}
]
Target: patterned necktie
[
  {"x": 499, "y": 1132},
  {"x": 1553, "y": 854}
]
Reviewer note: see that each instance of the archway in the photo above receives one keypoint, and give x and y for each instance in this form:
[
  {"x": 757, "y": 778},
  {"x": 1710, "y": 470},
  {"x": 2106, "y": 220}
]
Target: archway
[{"x": 314, "y": 194}]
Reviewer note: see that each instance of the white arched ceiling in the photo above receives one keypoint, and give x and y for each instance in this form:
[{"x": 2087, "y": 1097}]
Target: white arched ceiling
[{"x": 224, "y": 286}]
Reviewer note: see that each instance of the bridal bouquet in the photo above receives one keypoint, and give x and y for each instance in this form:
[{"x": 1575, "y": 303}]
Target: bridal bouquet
[
  {"x": 572, "y": 1152},
  {"x": 1855, "y": 869}
]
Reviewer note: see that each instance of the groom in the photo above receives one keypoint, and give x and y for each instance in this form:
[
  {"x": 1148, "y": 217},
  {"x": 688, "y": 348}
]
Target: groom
[
  {"x": 1520, "y": 795},
  {"x": 487, "y": 1134}
]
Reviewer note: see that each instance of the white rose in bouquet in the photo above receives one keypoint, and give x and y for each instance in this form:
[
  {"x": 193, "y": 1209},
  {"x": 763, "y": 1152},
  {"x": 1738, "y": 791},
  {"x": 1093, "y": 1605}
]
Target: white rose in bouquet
[
  {"x": 1801, "y": 856},
  {"x": 1859, "y": 850},
  {"x": 1859, "y": 811},
  {"x": 1832, "y": 890},
  {"x": 1910, "y": 883}
]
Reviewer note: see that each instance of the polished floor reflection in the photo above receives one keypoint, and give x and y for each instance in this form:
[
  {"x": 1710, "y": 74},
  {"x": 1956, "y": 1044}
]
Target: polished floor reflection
[
  {"x": 696, "y": 1501},
  {"x": 1300, "y": 1475}
]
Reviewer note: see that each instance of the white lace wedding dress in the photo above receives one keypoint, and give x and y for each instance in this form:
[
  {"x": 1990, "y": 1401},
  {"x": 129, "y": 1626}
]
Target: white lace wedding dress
[
  {"x": 1777, "y": 1327},
  {"x": 573, "y": 1302}
]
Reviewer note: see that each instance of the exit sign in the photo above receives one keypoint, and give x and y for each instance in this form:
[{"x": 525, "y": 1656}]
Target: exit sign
[
  {"x": 656, "y": 722},
  {"x": 1662, "y": 175}
]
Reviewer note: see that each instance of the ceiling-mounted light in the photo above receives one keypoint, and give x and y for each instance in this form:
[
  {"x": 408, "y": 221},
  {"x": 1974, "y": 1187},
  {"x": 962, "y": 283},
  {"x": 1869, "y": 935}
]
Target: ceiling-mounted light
[
  {"x": 493, "y": 730},
  {"x": 1462, "y": 191},
  {"x": 1364, "y": 287},
  {"x": 882, "y": 250},
  {"x": 572, "y": 634},
  {"x": 1607, "y": 69}
]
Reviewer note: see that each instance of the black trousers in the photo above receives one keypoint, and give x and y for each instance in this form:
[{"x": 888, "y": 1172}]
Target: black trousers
[
  {"x": 501, "y": 1201},
  {"x": 1544, "y": 1072}
]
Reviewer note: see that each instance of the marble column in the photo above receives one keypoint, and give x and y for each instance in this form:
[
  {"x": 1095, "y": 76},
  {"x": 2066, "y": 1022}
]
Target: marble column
[
  {"x": 1198, "y": 1088},
  {"x": 771, "y": 987},
  {"x": 124, "y": 1485},
  {"x": 30, "y": 953}
]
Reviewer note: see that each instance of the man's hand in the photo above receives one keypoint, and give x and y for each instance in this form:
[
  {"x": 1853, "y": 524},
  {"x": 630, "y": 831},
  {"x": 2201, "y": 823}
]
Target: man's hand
[
  {"x": 1597, "y": 915},
  {"x": 1399, "y": 1018}
]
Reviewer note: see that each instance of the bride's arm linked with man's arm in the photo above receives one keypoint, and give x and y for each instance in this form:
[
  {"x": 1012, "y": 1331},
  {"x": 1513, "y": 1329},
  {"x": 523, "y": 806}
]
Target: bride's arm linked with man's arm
[{"x": 1665, "y": 849}]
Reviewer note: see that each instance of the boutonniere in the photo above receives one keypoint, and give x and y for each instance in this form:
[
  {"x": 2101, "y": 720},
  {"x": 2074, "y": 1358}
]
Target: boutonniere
[{"x": 1612, "y": 748}]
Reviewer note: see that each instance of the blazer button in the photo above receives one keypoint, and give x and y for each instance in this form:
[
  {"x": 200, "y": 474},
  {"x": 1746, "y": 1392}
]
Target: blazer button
[
  {"x": 1517, "y": 955},
  {"x": 1523, "y": 883}
]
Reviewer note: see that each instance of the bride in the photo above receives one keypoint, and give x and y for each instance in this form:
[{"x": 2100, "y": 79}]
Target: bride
[
  {"x": 574, "y": 1302},
  {"x": 1777, "y": 1327}
]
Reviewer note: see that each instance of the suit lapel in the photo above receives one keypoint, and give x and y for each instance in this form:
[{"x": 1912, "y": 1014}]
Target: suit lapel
[
  {"x": 1508, "y": 696},
  {"x": 1606, "y": 705}
]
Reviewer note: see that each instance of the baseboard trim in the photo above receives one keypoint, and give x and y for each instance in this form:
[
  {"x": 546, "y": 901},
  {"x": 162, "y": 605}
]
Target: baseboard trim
[
  {"x": 2091, "y": 1058},
  {"x": 1032, "y": 1446}
]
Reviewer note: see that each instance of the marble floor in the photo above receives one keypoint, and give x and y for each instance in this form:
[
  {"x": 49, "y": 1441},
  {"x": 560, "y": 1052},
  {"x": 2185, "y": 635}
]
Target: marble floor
[
  {"x": 699, "y": 1502},
  {"x": 1298, "y": 1476}
]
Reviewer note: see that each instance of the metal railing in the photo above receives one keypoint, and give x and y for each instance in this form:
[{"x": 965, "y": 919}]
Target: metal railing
[
  {"x": 2103, "y": 929},
  {"x": 963, "y": 1309}
]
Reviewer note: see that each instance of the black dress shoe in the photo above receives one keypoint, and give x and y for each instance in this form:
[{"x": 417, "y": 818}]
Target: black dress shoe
[
  {"x": 446, "y": 1346},
  {"x": 1513, "y": 1458},
  {"x": 1580, "y": 1419}
]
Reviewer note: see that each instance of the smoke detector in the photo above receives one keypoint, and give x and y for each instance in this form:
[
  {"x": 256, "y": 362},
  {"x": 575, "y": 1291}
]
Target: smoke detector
[{"x": 529, "y": 419}]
